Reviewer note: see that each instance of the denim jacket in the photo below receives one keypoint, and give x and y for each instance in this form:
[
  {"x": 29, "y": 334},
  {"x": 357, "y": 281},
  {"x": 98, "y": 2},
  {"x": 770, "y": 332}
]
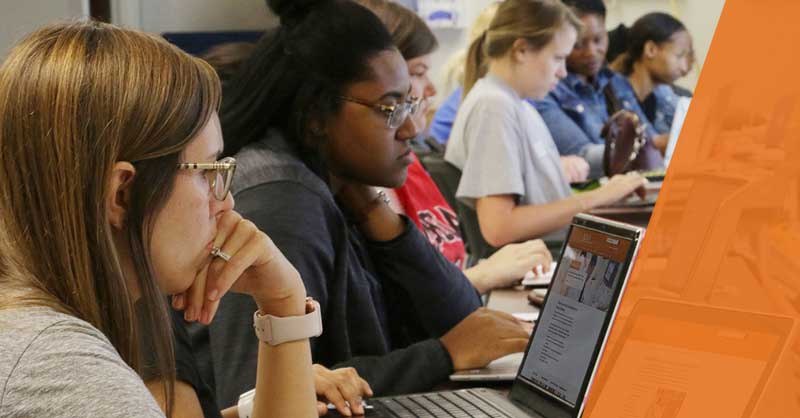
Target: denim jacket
[{"x": 575, "y": 112}]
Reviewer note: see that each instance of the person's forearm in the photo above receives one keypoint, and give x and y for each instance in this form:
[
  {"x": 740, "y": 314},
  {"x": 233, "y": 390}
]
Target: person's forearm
[
  {"x": 478, "y": 276},
  {"x": 524, "y": 222},
  {"x": 285, "y": 377}
]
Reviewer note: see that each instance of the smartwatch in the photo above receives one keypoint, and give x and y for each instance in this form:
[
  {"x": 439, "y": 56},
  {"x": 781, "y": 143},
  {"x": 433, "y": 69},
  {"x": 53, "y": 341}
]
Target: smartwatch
[{"x": 275, "y": 330}]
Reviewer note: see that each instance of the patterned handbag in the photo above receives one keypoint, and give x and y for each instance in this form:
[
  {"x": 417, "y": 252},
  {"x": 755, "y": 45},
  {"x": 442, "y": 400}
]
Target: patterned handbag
[{"x": 628, "y": 145}]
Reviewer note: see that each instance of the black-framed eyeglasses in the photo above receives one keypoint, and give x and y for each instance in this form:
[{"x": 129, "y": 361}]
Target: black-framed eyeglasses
[
  {"x": 395, "y": 114},
  {"x": 218, "y": 174}
]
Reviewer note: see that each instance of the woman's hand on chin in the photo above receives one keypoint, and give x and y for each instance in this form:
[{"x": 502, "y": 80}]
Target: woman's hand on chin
[{"x": 245, "y": 260}]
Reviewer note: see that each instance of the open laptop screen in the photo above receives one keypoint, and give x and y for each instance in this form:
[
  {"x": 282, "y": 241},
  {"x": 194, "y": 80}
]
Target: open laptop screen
[
  {"x": 581, "y": 300},
  {"x": 681, "y": 109}
]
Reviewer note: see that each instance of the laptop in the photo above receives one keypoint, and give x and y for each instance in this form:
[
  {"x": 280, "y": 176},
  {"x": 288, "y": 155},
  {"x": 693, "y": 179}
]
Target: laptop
[
  {"x": 681, "y": 109},
  {"x": 671, "y": 354},
  {"x": 561, "y": 359},
  {"x": 503, "y": 369}
]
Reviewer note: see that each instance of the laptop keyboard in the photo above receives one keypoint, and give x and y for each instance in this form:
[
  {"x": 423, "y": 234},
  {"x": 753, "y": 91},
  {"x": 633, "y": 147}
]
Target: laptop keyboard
[{"x": 460, "y": 404}]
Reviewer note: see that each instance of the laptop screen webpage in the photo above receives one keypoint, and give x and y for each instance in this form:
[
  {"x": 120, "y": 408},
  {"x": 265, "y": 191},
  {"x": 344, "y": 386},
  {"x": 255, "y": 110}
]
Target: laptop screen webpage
[{"x": 580, "y": 300}]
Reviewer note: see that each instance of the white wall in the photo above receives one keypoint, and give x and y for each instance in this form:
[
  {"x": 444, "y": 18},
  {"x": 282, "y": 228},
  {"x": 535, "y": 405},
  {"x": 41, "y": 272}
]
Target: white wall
[
  {"x": 19, "y": 17},
  {"x": 452, "y": 40},
  {"x": 700, "y": 16},
  {"x": 160, "y": 16}
]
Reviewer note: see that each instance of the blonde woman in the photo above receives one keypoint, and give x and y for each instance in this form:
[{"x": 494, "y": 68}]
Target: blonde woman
[
  {"x": 511, "y": 171},
  {"x": 110, "y": 196}
]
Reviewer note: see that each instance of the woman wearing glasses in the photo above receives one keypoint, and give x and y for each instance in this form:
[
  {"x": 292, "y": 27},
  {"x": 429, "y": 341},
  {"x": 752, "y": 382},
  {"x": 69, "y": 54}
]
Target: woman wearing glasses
[
  {"x": 319, "y": 115},
  {"x": 110, "y": 197},
  {"x": 419, "y": 197}
]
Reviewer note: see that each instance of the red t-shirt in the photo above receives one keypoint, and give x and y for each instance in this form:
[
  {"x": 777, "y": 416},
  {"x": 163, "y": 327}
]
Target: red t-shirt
[{"x": 425, "y": 205}]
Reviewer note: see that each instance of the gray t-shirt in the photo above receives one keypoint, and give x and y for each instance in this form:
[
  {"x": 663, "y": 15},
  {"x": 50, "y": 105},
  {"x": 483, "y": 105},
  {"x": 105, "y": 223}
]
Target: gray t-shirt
[
  {"x": 503, "y": 146},
  {"x": 56, "y": 365}
]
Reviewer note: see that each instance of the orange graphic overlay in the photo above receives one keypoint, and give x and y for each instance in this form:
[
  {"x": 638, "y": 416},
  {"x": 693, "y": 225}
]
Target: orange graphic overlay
[{"x": 708, "y": 326}]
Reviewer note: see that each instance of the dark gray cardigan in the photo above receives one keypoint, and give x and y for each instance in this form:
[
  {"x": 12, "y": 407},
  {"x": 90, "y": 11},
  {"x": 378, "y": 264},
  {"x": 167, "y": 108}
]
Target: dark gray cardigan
[{"x": 384, "y": 304}]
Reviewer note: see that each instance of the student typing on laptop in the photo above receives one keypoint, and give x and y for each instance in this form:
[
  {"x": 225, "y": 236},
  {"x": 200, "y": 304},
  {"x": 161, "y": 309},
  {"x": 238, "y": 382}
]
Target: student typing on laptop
[
  {"x": 511, "y": 171},
  {"x": 567, "y": 344},
  {"x": 318, "y": 117}
]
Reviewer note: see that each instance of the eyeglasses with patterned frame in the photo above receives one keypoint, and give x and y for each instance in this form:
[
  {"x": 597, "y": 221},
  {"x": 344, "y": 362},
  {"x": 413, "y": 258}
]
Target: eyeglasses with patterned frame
[{"x": 219, "y": 175}]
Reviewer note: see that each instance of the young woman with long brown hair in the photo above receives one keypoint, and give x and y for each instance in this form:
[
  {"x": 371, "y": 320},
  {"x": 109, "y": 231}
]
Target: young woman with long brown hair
[{"x": 111, "y": 195}]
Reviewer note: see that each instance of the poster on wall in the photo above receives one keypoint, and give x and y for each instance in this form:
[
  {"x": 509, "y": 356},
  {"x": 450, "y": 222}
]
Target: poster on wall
[{"x": 441, "y": 13}]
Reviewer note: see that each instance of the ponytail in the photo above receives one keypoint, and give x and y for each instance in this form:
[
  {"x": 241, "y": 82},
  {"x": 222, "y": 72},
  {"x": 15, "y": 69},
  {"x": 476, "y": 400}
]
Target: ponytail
[
  {"x": 475, "y": 65},
  {"x": 535, "y": 21},
  {"x": 298, "y": 70}
]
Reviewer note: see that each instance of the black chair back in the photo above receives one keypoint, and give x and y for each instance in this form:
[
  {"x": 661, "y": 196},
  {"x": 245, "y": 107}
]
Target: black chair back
[{"x": 447, "y": 176}]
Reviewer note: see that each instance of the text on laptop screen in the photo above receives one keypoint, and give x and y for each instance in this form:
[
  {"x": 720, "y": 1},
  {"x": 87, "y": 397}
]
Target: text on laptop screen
[{"x": 578, "y": 303}]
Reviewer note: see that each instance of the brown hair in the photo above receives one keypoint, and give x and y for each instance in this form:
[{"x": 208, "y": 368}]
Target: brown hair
[
  {"x": 75, "y": 98},
  {"x": 535, "y": 21},
  {"x": 410, "y": 34}
]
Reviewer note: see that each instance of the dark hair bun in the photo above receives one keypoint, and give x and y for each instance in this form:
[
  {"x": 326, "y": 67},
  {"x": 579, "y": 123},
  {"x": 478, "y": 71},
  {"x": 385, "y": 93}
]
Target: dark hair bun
[{"x": 293, "y": 11}]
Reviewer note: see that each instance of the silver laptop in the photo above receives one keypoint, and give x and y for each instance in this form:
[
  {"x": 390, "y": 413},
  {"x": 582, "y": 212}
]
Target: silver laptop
[
  {"x": 681, "y": 109},
  {"x": 566, "y": 345}
]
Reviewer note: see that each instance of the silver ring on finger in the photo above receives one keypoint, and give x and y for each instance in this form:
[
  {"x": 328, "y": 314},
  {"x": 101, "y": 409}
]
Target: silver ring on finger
[{"x": 217, "y": 252}]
